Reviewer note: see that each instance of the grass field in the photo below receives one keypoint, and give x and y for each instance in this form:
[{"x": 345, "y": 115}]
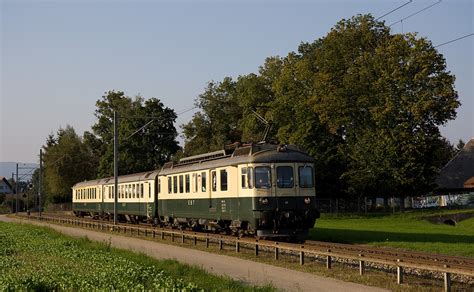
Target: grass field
[
  {"x": 407, "y": 231},
  {"x": 35, "y": 258}
]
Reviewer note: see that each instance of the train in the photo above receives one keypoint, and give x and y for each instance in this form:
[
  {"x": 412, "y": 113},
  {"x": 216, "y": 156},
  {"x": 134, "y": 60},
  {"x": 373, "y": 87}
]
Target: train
[{"x": 263, "y": 190}]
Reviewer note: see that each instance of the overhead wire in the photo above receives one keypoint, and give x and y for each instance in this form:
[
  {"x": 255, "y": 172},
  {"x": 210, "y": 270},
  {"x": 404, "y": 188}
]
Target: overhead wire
[
  {"x": 452, "y": 41},
  {"x": 393, "y": 10},
  {"x": 413, "y": 14}
]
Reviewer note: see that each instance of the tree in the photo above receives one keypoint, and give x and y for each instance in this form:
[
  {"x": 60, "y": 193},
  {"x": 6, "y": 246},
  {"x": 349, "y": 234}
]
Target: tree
[
  {"x": 66, "y": 162},
  {"x": 460, "y": 145},
  {"x": 386, "y": 94},
  {"x": 139, "y": 151},
  {"x": 218, "y": 123}
]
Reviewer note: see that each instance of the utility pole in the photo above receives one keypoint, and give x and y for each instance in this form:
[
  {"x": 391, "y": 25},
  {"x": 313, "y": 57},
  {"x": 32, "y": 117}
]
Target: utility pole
[
  {"x": 115, "y": 166},
  {"x": 16, "y": 189},
  {"x": 13, "y": 181},
  {"x": 40, "y": 181}
]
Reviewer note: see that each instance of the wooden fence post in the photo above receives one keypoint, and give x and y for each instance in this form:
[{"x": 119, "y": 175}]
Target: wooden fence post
[{"x": 399, "y": 273}]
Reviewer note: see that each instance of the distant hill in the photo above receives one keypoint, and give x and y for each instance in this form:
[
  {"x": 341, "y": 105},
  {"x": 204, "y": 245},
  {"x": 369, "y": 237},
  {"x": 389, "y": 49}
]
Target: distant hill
[{"x": 7, "y": 168}]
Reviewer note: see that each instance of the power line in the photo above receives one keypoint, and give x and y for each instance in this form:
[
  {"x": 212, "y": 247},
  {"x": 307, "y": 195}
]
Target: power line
[
  {"x": 452, "y": 41},
  {"x": 413, "y": 14},
  {"x": 185, "y": 111},
  {"x": 394, "y": 10}
]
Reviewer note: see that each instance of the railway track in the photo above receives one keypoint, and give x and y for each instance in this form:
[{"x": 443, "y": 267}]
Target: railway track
[
  {"x": 446, "y": 265},
  {"x": 405, "y": 256}
]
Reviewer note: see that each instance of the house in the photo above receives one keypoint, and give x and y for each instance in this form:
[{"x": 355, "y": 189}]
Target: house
[
  {"x": 5, "y": 186},
  {"x": 455, "y": 182},
  {"x": 456, "y": 174}
]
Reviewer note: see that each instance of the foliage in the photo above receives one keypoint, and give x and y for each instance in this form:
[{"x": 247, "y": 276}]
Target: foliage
[
  {"x": 365, "y": 103},
  {"x": 67, "y": 160},
  {"x": 145, "y": 150},
  {"x": 35, "y": 258},
  {"x": 218, "y": 122}
]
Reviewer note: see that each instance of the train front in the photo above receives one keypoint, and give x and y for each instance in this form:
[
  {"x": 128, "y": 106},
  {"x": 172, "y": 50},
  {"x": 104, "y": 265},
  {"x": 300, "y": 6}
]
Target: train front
[{"x": 284, "y": 199}]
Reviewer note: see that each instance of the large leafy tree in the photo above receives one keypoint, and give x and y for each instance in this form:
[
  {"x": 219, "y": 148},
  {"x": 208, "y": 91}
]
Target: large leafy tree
[
  {"x": 67, "y": 160},
  {"x": 386, "y": 95},
  {"x": 147, "y": 136}
]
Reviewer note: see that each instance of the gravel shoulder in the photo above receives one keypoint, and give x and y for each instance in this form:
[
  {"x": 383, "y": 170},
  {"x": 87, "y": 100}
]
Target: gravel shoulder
[{"x": 239, "y": 269}]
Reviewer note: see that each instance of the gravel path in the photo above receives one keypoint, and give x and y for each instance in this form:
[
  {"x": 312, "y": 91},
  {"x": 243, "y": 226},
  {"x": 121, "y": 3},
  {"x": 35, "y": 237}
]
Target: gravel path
[{"x": 239, "y": 269}]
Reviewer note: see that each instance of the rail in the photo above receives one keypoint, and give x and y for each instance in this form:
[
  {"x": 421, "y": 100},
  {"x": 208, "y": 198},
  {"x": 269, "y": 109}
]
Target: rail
[{"x": 445, "y": 265}]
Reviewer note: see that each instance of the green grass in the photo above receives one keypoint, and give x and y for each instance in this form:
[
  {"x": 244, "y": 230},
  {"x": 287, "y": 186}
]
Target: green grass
[
  {"x": 36, "y": 258},
  {"x": 406, "y": 231}
]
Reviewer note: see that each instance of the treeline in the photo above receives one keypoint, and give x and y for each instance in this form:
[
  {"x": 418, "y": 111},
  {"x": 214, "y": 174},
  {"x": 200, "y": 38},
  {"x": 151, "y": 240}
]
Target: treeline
[
  {"x": 69, "y": 159},
  {"x": 366, "y": 103}
]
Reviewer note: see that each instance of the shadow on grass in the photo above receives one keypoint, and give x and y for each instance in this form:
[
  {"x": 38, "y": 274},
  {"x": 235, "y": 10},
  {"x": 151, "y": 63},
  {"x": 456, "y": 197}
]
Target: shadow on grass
[{"x": 365, "y": 236}]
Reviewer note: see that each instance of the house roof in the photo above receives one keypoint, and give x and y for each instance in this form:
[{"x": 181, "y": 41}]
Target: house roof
[
  {"x": 458, "y": 170},
  {"x": 2, "y": 178}
]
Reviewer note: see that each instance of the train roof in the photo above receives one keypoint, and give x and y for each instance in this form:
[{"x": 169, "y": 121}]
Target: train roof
[
  {"x": 251, "y": 153},
  {"x": 260, "y": 153},
  {"x": 142, "y": 176}
]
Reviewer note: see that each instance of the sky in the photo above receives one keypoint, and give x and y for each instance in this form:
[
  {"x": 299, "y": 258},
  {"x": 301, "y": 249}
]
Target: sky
[{"x": 57, "y": 58}]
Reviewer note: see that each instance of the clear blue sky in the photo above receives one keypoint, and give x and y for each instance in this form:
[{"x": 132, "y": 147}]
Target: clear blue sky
[{"x": 59, "y": 57}]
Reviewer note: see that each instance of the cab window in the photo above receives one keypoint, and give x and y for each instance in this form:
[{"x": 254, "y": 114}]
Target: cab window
[
  {"x": 263, "y": 177},
  {"x": 285, "y": 177},
  {"x": 306, "y": 177}
]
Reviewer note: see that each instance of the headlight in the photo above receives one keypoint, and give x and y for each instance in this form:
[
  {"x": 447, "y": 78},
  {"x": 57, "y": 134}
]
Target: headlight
[
  {"x": 307, "y": 200},
  {"x": 263, "y": 201}
]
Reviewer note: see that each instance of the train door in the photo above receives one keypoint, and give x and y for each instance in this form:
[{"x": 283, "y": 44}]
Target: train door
[
  {"x": 212, "y": 190},
  {"x": 155, "y": 198}
]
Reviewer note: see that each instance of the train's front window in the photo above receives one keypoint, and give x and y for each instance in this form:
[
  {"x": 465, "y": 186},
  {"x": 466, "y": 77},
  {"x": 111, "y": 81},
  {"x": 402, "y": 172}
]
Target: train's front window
[
  {"x": 306, "y": 176},
  {"x": 263, "y": 177},
  {"x": 285, "y": 177}
]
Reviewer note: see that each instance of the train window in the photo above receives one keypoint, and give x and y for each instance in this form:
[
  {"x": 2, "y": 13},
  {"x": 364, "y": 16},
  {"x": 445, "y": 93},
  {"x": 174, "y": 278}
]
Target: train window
[
  {"x": 141, "y": 191},
  {"x": 306, "y": 176},
  {"x": 223, "y": 180},
  {"x": 263, "y": 177},
  {"x": 214, "y": 181},
  {"x": 195, "y": 182},
  {"x": 285, "y": 178},
  {"x": 169, "y": 184},
  {"x": 187, "y": 182},
  {"x": 159, "y": 188},
  {"x": 244, "y": 177},
  {"x": 175, "y": 184},
  {"x": 203, "y": 181},
  {"x": 149, "y": 189},
  {"x": 134, "y": 188},
  {"x": 181, "y": 184}
]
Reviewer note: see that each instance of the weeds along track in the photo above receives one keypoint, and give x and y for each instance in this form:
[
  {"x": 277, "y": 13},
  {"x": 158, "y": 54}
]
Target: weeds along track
[{"x": 379, "y": 258}]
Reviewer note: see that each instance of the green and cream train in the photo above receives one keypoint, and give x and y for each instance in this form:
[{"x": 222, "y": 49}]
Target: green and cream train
[{"x": 265, "y": 190}]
